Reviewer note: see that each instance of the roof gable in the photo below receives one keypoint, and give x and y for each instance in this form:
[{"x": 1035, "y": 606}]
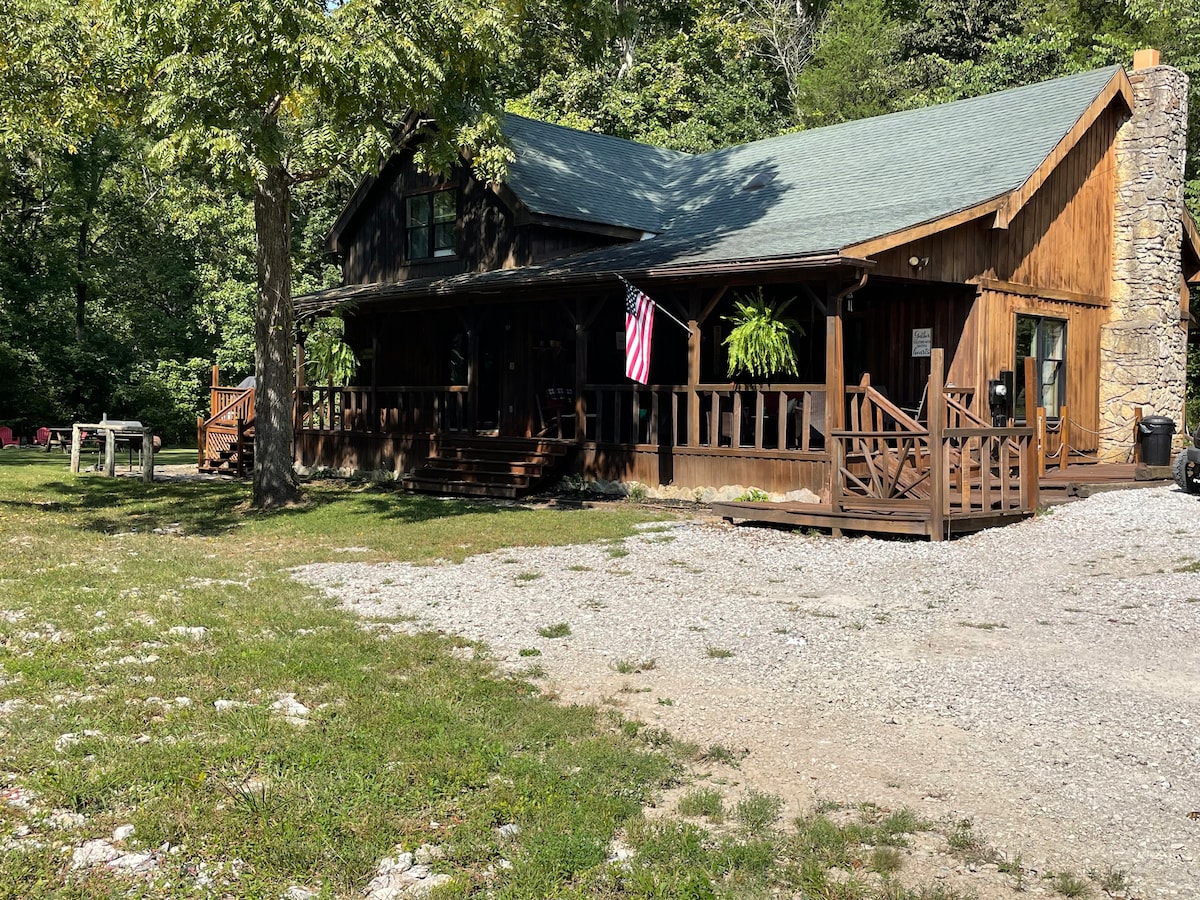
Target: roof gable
[{"x": 827, "y": 189}]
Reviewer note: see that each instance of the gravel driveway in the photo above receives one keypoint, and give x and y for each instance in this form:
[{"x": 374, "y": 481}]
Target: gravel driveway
[{"x": 1042, "y": 679}]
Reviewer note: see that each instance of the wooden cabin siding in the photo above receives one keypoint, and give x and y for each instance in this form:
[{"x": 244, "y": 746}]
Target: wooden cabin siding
[
  {"x": 650, "y": 464},
  {"x": 988, "y": 344},
  {"x": 490, "y": 235},
  {"x": 877, "y": 335},
  {"x": 374, "y": 244},
  {"x": 1060, "y": 241}
]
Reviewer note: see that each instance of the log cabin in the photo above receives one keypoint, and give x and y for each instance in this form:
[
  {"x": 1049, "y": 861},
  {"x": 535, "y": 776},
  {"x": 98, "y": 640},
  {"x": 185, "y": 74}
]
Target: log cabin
[{"x": 968, "y": 279}]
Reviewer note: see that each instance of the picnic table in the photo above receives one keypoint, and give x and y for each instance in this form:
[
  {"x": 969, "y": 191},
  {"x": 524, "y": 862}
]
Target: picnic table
[{"x": 130, "y": 432}]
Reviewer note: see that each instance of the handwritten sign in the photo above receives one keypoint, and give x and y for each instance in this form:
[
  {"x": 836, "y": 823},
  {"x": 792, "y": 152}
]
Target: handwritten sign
[{"x": 922, "y": 341}]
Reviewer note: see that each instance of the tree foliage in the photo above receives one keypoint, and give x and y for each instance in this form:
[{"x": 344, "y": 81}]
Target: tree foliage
[{"x": 136, "y": 136}]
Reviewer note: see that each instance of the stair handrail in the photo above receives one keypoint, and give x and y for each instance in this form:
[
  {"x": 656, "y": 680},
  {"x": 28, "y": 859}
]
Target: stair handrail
[{"x": 219, "y": 415}]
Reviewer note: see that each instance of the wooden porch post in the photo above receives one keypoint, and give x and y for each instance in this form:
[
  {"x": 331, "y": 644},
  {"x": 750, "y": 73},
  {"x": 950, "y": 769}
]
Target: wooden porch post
[
  {"x": 693, "y": 376},
  {"x": 936, "y": 404},
  {"x": 581, "y": 361},
  {"x": 473, "y": 377},
  {"x": 297, "y": 416},
  {"x": 372, "y": 423},
  {"x": 216, "y": 382},
  {"x": 835, "y": 393},
  {"x": 697, "y": 315}
]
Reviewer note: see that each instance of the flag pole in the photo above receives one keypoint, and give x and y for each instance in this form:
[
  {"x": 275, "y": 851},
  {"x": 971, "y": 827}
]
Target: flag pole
[{"x": 666, "y": 312}]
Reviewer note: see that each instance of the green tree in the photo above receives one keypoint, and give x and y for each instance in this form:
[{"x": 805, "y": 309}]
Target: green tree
[
  {"x": 696, "y": 81},
  {"x": 853, "y": 72},
  {"x": 272, "y": 95}
]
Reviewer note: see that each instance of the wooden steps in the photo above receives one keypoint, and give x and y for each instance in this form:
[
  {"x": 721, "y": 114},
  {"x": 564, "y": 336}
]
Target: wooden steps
[{"x": 487, "y": 467}]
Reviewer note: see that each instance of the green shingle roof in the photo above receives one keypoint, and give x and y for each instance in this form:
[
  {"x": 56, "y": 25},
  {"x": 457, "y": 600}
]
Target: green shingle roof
[
  {"x": 811, "y": 193},
  {"x": 821, "y": 190},
  {"x": 589, "y": 177}
]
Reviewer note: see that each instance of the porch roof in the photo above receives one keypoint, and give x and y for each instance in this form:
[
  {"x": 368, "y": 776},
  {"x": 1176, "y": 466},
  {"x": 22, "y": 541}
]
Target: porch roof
[{"x": 573, "y": 271}]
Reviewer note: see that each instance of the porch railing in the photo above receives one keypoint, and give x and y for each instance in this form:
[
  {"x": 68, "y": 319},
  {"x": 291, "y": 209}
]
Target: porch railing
[
  {"x": 771, "y": 417},
  {"x": 223, "y": 434},
  {"x": 393, "y": 409},
  {"x": 955, "y": 466}
]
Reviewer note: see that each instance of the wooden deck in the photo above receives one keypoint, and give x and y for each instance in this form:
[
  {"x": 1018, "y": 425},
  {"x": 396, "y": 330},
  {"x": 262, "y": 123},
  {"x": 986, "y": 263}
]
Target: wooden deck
[
  {"x": 912, "y": 520},
  {"x": 1056, "y": 486},
  {"x": 1083, "y": 480}
]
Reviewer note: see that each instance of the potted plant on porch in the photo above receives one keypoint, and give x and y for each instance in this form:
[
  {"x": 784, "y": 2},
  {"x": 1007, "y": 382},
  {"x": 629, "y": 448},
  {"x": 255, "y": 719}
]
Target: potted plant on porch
[{"x": 760, "y": 344}]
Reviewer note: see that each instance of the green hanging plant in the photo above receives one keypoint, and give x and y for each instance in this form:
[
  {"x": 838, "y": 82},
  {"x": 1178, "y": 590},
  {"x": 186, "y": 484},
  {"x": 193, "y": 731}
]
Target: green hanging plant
[
  {"x": 330, "y": 359},
  {"x": 760, "y": 344}
]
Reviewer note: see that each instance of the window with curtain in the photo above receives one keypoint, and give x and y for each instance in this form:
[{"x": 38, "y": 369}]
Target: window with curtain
[{"x": 1045, "y": 339}]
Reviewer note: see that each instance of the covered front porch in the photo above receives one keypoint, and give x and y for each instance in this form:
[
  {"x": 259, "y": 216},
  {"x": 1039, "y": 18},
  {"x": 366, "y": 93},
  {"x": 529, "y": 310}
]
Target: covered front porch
[{"x": 548, "y": 370}]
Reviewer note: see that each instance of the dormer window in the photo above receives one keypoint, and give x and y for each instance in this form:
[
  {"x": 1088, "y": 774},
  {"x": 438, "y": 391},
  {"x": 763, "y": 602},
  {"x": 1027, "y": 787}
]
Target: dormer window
[{"x": 429, "y": 220}]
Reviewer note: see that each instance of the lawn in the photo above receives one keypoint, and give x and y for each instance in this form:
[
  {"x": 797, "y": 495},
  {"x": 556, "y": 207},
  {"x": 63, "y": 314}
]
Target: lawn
[
  {"x": 129, "y": 610},
  {"x": 159, "y": 668}
]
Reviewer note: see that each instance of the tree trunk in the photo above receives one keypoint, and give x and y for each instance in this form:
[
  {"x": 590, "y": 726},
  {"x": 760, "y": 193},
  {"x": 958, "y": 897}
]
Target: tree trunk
[
  {"x": 81, "y": 285},
  {"x": 274, "y": 482}
]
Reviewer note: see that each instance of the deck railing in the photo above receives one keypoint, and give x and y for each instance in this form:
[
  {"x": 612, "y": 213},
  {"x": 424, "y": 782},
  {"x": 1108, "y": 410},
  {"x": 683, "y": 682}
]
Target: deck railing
[
  {"x": 887, "y": 463},
  {"x": 770, "y": 417},
  {"x": 225, "y": 429},
  {"x": 394, "y": 409}
]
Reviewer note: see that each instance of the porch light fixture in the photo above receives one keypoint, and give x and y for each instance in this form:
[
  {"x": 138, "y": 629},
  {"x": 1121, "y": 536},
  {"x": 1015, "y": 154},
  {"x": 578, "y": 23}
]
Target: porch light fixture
[{"x": 918, "y": 262}]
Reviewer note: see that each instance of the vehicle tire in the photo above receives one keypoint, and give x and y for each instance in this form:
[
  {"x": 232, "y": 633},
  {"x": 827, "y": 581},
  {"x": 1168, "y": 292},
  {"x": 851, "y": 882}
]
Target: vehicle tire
[{"x": 1179, "y": 470}]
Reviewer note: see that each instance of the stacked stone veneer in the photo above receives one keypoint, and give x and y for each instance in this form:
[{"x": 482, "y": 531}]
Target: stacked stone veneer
[{"x": 1143, "y": 348}]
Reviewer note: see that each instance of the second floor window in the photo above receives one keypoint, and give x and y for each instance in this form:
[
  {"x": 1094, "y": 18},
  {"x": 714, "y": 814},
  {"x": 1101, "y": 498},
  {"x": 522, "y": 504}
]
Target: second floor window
[{"x": 429, "y": 222}]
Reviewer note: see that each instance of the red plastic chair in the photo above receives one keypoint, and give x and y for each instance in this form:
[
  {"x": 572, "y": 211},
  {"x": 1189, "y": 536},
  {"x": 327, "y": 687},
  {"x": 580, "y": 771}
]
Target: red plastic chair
[
  {"x": 42, "y": 436},
  {"x": 6, "y": 437}
]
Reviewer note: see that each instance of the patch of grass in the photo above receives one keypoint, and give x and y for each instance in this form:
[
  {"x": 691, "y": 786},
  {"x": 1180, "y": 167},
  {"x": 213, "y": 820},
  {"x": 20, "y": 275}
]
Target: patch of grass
[
  {"x": 719, "y": 753},
  {"x": 617, "y": 551},
  {"x": 703, "y": 803},
  {"x": 557, "y": 630},
  {"x": 983, "y": 626},
  {"x": 634, "y": 667},
  {"x": 963, "y": 840},
  {"x": 402, "y": 730},
  {"x": 713, "y": 652},
  {"x": 665, "y": 701},
  {"x": 1069, "y": 884},
  {"x": 1110, "y": 880},
  {"x": 885, "y": 860},
  {"x": 578, "y": 567},
  {"x": 1193, "y": 566},
  {"x": 528, "y": 576},
  {"x": 529, "y": 651},
  {"x": 757, "y": 812}
]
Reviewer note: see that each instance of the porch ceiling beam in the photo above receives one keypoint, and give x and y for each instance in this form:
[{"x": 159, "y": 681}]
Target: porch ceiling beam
[
  {"x": 1119, "y": 86},
  {"x": 707, "y": 309}
]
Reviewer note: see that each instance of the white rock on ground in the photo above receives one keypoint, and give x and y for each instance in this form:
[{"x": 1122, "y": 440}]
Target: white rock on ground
[
  {"x": 1043, "y": 679},
  {"x": 191, "y": 632},
  {"x": 93, "y": 853},
  {"x": 398, "y": 878}
]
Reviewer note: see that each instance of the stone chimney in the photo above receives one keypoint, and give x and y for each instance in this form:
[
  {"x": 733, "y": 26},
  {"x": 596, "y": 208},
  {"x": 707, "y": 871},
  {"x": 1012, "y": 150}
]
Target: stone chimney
[{"x": 1143, "y": 348}]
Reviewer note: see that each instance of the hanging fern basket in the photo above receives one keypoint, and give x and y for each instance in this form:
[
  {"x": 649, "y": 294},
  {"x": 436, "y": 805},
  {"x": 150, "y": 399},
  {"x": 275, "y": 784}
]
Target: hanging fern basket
[{"x": 760, "y": 344}]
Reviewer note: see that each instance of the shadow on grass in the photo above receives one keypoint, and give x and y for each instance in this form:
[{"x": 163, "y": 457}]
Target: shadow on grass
[{"x": 206, "y": 508}]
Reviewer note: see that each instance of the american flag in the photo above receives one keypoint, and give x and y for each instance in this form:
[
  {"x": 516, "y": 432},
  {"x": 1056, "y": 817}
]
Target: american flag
[{"x": 639, "y": 328}]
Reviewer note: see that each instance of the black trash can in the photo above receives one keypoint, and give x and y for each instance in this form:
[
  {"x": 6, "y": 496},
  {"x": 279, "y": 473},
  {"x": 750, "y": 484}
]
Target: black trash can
[{"x": 1155, "y": 434}]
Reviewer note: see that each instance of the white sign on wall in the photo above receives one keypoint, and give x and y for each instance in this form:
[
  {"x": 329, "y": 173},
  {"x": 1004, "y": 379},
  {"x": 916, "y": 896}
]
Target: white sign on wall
[{"x": 922, "y": 341}]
